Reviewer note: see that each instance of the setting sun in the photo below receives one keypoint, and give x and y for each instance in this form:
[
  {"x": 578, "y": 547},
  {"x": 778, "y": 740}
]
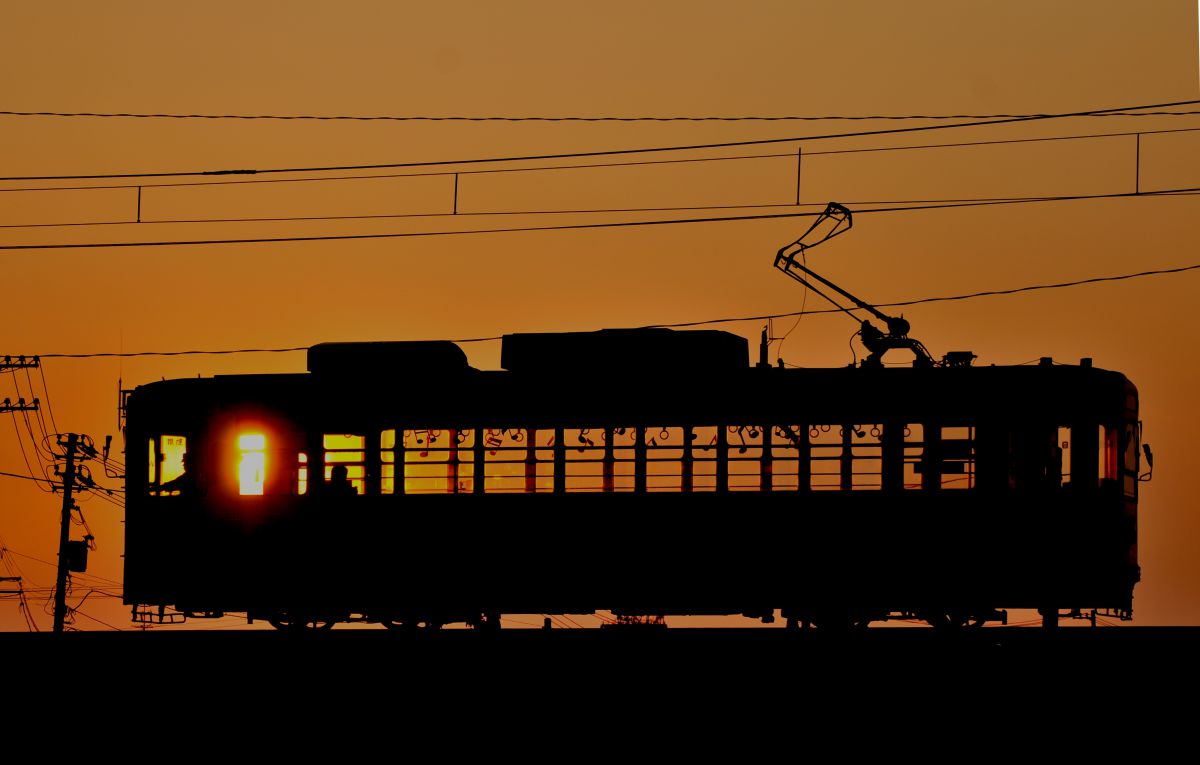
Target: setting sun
[{"x": 252, "y": 464}]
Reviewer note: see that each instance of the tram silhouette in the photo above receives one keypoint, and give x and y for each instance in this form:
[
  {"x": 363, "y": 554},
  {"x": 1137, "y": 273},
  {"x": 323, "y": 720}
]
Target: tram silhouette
[{"x": 642, "y": 472}]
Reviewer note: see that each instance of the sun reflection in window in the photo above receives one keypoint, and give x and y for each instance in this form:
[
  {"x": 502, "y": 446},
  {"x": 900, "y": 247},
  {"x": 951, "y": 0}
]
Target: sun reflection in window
[{"x": 252, "y": 463}]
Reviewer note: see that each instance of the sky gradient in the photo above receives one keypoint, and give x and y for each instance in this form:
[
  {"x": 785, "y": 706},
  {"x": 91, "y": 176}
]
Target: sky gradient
[{"x": 556, "y": 59}]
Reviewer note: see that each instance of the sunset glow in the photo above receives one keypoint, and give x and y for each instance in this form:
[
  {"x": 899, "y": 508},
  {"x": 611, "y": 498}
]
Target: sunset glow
[{"x": 545, "y": 167}]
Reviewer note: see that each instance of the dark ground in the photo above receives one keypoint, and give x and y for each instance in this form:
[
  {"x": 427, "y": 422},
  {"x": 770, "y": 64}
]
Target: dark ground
[
  {"x": 674, "y": 690},
  {"x": 881, "y": 657}
]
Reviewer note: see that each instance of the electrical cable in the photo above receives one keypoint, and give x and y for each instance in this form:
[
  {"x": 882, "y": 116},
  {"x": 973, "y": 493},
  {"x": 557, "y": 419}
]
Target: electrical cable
[
  {"x": 25, "y": 457},
  {"x": 42, "y": 457},
  {"x": 40, "y": 452},
  {"x": 46, "y": 391},
  {"x": 40, "y": 417},
  {"x": 564, "y": 118},
  {"x": 590, "y": 166},
  {"x": 609, "y": 152},
  {"x": 55, "y": 566},
  {"x": 725, "y": 320},
  {"x": 799, "y": 317},
  {"x": 1186, "y": 191},
  {"x": 387, "y": 216},
  {"x": 75, "y": 611}
]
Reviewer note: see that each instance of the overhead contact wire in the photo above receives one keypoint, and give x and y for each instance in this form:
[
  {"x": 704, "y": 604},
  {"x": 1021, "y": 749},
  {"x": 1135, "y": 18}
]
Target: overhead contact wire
[
  {"x": 610, "y": 224},
  {"x": 563, "y": 118},
  {"x": 760, "y": 317},
  {"x": 611, "y": 152}
]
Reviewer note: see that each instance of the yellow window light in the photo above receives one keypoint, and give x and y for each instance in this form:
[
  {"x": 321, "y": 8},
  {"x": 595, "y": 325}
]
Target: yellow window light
[
  {"x": 252, "y": 442},
  {"x": 252, "y": 463}
]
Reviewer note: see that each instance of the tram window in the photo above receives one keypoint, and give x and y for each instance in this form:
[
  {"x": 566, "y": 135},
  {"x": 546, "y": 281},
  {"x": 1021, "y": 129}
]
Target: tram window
[
  {"x": 506, "y": 467},
  {"x": 1130, "y": 463},
  {"x": 302, "y": 473},
  {"x": 167, "y": 465},
  {"x": 786, "y": 443},
  {"x": 1035, "y": 456},
  {"x": 624, "y": 469},
  {"x": 387, "y": 459},
  {"x": 505, "y": 456},
  {"x": 1064, "y": 462},
  {"x": 826, "y": 468},
  {"x": 1108, "y": 454},
  {"x": 745, "y": 457},
  {"x": 704, "y": 458},
  {"x": 846, "y": 457},
  {"x": 252, "y": 463},
  {"x": 955, "y": 463},
  {"x": 460, "y": 466},
  {"x": 544, "y": 455},
  {"x": 349, "y": 450},
  {"x": 437, "y": 461},
  {"x": 914, "y": 451},
  {"x": 958, "y": 457},
  {"x": 868, "y": 457},
  {"x": 664, "y": 459},
  {"x": 586, "y": 465}
]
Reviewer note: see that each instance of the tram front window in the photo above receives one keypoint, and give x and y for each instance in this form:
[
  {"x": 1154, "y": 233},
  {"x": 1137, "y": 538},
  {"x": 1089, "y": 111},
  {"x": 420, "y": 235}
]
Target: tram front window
[{"x": 167, "y": 465}]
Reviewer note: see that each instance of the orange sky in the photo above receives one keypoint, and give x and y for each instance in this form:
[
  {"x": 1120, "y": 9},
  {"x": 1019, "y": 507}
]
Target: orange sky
[{"x": 544, "y": 58}]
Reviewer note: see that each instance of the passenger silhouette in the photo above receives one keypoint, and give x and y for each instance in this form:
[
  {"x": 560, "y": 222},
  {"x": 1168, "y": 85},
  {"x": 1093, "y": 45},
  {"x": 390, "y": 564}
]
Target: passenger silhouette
[{"x": 339, "y": 483}]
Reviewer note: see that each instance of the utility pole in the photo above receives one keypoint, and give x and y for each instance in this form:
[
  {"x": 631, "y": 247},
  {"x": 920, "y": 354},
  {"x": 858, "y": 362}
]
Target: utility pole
[
  {"x": 72, "y": 556},
  {"x": 60, "y": 587}
]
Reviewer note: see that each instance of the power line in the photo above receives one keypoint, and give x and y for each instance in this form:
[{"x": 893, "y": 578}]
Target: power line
[
  {"x": 610, "y": 152},
  {"x": 391, "y": 216},
  {"x": 727, "y": 320},
  {"x": 46, "y": 391},
  {"x": 77, "y": 612},
  {"x": 28, "y": 477},
  {"x": 397, "y": 235},
  {"x": 612, "y": 224},
  {"x": 21, "y": 443},
  {"x": 940, "y": 202},
  {"x": 78, "y": 575},
  {"x": 997, "y": 142},
  {"x": 949, "y": 298},
  {"x": 566, "y": 118},
  {"x": 634, "y": 163}
]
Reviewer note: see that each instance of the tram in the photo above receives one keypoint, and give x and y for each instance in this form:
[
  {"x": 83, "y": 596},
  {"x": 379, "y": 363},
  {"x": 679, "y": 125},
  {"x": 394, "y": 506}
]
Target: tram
[{"x": 646, "y": 473}]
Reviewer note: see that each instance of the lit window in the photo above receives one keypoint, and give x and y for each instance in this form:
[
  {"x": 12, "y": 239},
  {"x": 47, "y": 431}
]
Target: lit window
[
  {"x": 167, "y": 466},
  {"x": 173, "y": 448},
  {"x": 302, "y": 474},
  {"x": 348, "y": 450},
  {"x": 252, "y": 464},
  {"x": 387, "y": 455}
]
